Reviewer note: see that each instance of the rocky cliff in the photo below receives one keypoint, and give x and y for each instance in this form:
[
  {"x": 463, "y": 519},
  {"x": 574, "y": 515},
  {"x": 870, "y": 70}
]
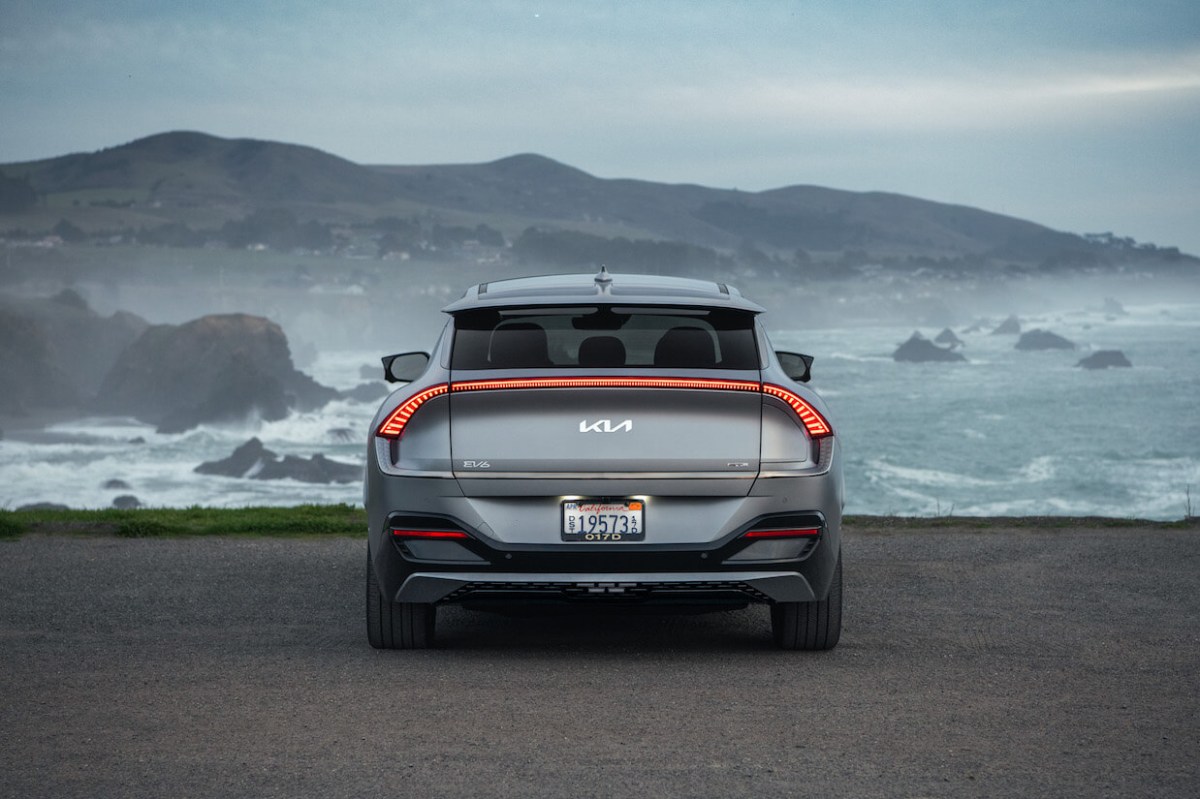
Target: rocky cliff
[{"x": 212, "y": 369}]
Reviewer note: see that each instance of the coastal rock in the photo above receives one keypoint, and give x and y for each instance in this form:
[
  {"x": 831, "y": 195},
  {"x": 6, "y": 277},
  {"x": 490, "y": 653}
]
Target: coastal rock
[
  {"x": 55, "y": 351},
  {"x": 1009, "y": 327},
  {"x": 126, "y": 502},
  {"x": 947, "y": 339},
  {"x": 1105, "y": 359},
  {"x": 1043, "y": 340},
  {"x": 342, "y": 435},
  {"x": 254, "y": 461},
  {"x": 246, "y": 461},
  {"x": 1112, "y": 307},
  {"x": 213, "y": 369},
  {"x": 317, "y": 469},
  {"x": 30, "y": 371},
  {"x": 919, "y": 349},
  {"x": 975, "y": 327}
]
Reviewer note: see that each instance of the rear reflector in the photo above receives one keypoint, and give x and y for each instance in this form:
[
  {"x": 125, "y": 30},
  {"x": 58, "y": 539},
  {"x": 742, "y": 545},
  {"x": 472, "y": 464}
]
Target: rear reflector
[
  {"x": 798, "y": 532},
  {"x": 401, "y": 533}
]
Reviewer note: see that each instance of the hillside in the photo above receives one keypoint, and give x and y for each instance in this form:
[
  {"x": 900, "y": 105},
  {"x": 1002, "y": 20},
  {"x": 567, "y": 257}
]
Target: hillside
[
  {"x": 195, "y": 186},
  {"x": 195, "y": 168}
]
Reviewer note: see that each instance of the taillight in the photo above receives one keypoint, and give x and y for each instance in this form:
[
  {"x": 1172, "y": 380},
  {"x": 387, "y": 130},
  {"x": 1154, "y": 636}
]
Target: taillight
[
  {"x": 779, "y": 538},
  {"x": 791, "y": 532},
  {"x": 404, "y": 533},
  {"x": 702, "y": 383},
  {"x": 813, "y": 421},
  {"x": 393, "y": 426}
]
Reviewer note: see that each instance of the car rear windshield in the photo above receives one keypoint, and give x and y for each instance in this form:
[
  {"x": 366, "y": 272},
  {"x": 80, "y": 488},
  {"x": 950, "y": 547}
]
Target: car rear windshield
[{"x": 604, "y": 337}]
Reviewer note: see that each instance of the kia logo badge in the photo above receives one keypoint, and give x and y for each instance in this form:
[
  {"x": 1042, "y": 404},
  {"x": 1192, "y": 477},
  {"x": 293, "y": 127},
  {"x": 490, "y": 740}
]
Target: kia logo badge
[{"x": 605, "y": 426}]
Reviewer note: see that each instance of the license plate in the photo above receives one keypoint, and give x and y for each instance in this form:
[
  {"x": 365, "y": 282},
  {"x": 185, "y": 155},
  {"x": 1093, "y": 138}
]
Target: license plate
[{"x": 601, "y": 520}]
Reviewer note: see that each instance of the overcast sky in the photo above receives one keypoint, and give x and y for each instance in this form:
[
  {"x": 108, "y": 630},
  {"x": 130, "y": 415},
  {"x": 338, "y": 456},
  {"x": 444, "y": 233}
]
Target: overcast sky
[{"x": 1082, "y": 115}]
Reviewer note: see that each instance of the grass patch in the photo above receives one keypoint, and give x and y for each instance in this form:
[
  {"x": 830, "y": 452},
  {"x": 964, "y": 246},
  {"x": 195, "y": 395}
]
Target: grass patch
[
  {"x": 346, "y": 520},
  {"x": 9, "y": 526},
  {"x": 302, "y": 520}
]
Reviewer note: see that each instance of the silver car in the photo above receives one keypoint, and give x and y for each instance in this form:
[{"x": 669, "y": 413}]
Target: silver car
[{"x": 623, "y": 439}]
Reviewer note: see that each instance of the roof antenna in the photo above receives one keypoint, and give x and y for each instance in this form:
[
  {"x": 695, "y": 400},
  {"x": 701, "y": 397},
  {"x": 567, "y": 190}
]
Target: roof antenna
[{"x": 603, "y": 278}]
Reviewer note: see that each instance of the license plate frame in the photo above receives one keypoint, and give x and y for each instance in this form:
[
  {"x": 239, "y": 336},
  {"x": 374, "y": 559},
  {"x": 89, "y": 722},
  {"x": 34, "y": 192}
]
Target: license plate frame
[{"x": 603, "y": 520}]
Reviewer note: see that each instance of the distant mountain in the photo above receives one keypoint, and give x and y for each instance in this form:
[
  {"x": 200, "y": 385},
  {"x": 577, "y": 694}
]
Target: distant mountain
[
  {"x": 186, "y": 167},
  {"x": 204, "y": 182},
  {"x": 798, "y": 217}
]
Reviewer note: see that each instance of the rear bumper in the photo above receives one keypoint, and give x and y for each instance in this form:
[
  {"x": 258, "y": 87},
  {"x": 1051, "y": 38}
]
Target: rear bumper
[
  {"x": 694, "y": 550},
  {"x": 716, "y": 574},
  {"x": 760, "y": 586}
]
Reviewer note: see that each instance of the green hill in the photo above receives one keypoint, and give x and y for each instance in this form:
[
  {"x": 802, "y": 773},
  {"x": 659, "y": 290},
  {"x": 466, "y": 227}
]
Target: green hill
[
  {"x": 186, "y": 167},
  {"x": 204, "y": 182}
]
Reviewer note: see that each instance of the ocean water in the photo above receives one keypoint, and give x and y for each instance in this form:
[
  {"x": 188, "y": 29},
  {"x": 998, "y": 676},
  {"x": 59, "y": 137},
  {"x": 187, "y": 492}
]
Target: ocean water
[
  {"x": 1007, "y": 433},
  {"x": 1019, "y": 433}
]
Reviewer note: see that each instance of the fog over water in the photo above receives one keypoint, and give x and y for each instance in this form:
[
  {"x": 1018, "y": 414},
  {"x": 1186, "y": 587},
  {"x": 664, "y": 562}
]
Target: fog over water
[{"x": 1006, "y": 433}]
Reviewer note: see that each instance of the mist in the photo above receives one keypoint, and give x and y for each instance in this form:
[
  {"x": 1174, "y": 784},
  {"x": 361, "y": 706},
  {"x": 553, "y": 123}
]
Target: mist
[{"x": 394, "y": 308}]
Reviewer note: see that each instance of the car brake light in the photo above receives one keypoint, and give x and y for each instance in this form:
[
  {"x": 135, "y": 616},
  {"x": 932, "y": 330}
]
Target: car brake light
[
  {"x": 813, "y": 421},
  {"x": 702, "y": 383},
  {"x": 797, "y": 532},
  {"x": 393, "y": 426},
  {"x": 404, "y": 533}
]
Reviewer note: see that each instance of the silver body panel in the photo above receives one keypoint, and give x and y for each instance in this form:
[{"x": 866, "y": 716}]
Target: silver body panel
[{"x": 666, "y": 431}]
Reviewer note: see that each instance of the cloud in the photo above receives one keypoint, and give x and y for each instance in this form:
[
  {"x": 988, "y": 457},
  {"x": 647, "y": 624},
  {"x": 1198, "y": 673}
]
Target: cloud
[
  {"x": 1058, "y": 94},
  {"x": 933, "y": 97}
]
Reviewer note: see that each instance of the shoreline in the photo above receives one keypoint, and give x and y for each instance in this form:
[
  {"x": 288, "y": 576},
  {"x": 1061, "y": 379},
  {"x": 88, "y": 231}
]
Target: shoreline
[{"x": 37, "y": 421}]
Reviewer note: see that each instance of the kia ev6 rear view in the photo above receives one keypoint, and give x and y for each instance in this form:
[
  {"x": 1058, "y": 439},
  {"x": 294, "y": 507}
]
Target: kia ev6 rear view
[{"x": 620, "y": 439}]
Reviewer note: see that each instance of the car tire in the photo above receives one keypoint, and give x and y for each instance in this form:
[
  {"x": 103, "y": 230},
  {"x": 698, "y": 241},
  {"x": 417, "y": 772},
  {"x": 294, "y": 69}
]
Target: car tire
[
  {"x": 397, "y": 625},
  {"x": 811, "y": 626}
]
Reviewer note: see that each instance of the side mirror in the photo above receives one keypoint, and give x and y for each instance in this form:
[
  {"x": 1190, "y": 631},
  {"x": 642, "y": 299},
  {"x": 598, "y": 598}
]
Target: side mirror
[
  {"x": 405, "y": 367},
  {"x": 796, "y": 366}
]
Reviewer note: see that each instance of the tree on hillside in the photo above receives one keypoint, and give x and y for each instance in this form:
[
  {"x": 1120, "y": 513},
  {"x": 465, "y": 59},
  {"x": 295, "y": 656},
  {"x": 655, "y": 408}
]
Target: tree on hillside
[
  {"x": 172, "y": 234},
  {"x": 401, "y": 227},
  {"x": 313, "y": 235},
  {"x": 278, "y": 229},
  {"x": 68, "y": 232},
  {"x": 448, "y": 236},
  {"x": 16, "y": 195}
]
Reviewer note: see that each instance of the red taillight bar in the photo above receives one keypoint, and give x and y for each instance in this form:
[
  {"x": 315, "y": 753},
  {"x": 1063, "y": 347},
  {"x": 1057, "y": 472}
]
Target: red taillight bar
[
  {"x": 714, "y": 384},
  {"x": 393, "y": 426},
  {"x": 798, "y": 532},
  {"x": 399, "y": 533},
  {"x": 814, "y": 422}
]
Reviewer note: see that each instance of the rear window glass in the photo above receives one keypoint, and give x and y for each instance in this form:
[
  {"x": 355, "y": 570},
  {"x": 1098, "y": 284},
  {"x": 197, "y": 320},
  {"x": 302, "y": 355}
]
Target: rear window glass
[{"x": 604, "y": 337}]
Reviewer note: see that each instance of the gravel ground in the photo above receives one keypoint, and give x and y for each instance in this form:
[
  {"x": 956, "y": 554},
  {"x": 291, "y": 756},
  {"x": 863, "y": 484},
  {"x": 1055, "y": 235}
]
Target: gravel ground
[{"x": 1012, "y": 661}]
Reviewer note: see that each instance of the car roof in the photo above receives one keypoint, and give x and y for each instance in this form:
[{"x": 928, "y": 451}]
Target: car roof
[{"x": 605, "y": 288}]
